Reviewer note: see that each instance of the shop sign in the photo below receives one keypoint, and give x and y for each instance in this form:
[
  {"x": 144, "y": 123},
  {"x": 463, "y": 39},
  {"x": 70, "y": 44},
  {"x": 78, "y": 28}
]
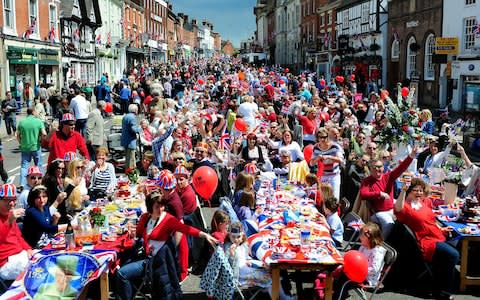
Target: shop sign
[
  {"x": 446, "y": 45},
  {"x": 412, "y": 24}
]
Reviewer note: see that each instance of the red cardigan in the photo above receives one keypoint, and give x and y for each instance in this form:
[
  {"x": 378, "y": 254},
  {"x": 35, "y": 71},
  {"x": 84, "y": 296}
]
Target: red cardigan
[
  {"x": 166, "y": 228},
  {"x": 371, "y": 187},
  {"x": 11, "y": 240}
]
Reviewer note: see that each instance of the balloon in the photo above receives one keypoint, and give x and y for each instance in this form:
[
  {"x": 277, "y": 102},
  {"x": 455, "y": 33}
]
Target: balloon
[
  {"x": 308, "y": 152},
  {"x": 201, "y": 82},
  {"x": 405, "y": 91},
  {"x": 109, "y": 107},
  {"x": 352, "y": 77},
  {"x": 384, "y": 94},
  {"x": 355, "y": 266},
  {"x": 287, "y": 70},
  {"x": 240, "y": 125},
  {"x": 324, "y": 116},
  {"x": 282, "y": 82},
  {"x": 205, "y": 181},
  {"x": 323, "y": 82},
  {"x": 337, "y": 78},
  {"x": 341, "y": 79}
]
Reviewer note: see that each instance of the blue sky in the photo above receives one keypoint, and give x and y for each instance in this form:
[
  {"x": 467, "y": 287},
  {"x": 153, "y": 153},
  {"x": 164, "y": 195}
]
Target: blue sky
[{"x": 233, "y": 19}]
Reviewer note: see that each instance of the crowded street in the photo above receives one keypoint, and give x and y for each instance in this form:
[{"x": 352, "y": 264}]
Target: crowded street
[{"x": 311, "y": 150}]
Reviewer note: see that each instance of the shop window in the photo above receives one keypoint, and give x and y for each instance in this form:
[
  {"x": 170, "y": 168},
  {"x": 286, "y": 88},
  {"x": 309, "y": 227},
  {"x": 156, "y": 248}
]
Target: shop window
[
  {"x": 429, "y": 48},
  {"x": 468, "y": 34},
  {"x": 9, "y": 14},
  {"x": 411, "y": 57},
  {"x": 395, "y": 50}
]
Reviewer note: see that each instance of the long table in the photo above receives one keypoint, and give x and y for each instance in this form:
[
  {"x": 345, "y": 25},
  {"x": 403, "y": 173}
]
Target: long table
[{"x": 278, "y": 243}]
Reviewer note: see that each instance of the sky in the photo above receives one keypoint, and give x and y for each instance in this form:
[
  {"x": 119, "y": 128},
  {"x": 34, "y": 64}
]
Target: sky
[{"x": 233, "y": 19}]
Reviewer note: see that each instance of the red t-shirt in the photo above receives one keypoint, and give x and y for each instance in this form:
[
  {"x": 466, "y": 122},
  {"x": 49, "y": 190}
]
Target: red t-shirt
[
  {"x": 188, "y": 198},
  {"x": 309, "y": 126},
  {"x": 11, "y": 240},
  {"x": 60, "y": 144}
]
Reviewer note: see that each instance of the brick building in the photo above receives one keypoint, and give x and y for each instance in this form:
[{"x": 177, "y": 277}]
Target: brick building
[{"x": 134, "y": 16}]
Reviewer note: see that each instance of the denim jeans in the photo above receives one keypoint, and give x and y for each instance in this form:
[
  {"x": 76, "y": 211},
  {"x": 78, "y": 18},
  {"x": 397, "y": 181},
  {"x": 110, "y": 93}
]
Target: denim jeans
[
  {"x": 11, "y": 124},
  {"x": 81, "y": 126},
  {"x": 443, "y": 266},
  {"x": 27, "y": 156},
  {"x": 386, "y": 220},
  {"x": 124, "y": 277}
]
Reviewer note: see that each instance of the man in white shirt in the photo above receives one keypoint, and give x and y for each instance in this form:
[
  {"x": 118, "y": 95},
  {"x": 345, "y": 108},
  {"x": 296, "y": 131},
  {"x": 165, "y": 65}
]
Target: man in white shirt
[
  {"x": 249, "y": 110},
  {"x": 81, "y": 108}
]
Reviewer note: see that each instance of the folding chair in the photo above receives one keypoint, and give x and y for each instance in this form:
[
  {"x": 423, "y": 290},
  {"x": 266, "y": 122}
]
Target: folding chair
[
  {"x": 417, "y": 254},
  {"x": 388, "y": 261},
  {"x": 344, "y": 206},
  {"x": 143, "y": 289},
  {"x": 351, "y": 232}
]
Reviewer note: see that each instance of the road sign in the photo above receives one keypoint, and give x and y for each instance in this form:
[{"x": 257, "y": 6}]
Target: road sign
[{"x": 446, "y": 45}]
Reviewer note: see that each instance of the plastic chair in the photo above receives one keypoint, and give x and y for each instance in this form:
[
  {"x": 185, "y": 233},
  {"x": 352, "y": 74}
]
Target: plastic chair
[
  {"x": 116, "y": 150},
  {"x": 388, "y": 261},
  {"x": 351, "y": 234},
  {"x": 417, "y": 253}
]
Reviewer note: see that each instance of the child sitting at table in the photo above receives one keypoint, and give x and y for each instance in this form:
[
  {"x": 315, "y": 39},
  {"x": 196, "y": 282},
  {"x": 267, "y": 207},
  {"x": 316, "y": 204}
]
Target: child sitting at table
[
  {"x": 220, "y": 223},
  {"x": 246, "y": 270},
  {"x": 246, "y": 206},
  {"x": 371, "y": 239},
  {"x": 330, "y": 210}
]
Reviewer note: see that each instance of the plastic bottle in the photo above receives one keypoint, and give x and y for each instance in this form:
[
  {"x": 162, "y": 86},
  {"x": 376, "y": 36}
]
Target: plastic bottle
[
  {"x": 305, "y": 234},
  {"x": 69, "y": 237}
]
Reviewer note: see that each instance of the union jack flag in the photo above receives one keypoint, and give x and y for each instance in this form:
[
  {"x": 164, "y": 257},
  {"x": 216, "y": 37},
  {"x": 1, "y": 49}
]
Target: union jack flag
[
  {"x": 476, "y": 29},
  {"x": 31, "y": 29},
  {"x": 76, "y": 35},
  {"x": 109, "y": 38},
  {"x": 51, "y": 35},
  {"x": 98, "y": 40},
  {"x": 224, "y": 141}
]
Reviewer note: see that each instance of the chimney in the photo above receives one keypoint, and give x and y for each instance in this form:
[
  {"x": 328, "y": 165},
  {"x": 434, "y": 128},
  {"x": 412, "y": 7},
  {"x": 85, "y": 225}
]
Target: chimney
[
  {"x": 204, "y": 23},
  {"x": 194, "y": 22},
  {"x": 180, "y": 15}
]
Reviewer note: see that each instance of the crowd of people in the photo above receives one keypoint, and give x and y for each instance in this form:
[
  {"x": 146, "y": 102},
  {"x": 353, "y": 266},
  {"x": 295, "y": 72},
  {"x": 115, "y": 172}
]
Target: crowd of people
[{"x": 240, "y": 120}]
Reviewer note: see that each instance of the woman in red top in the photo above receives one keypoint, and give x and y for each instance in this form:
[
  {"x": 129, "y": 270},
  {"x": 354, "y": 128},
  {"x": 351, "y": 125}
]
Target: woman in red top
[
  {"x": 309, "y": 125},
  {"x": 414, "y": 209},
  {"x": 155, "y": 227}
]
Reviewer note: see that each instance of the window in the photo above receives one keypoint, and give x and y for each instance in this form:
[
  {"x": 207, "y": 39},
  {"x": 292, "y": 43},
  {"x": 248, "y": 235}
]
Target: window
[
  {"x": 76, "y": 9},
  {"x": 411, "y": 58},
  {"x": 52, "y": 20},
  {"x": 322, "y": 19},
  {"x": 9, "y": 14},
  {"x": 469, "y": 2},
  {"x": 33, "y": 16},
  {"x": 468, "y": 35},
  {"x": 329, "y": 18},
  {"x": 395, "y": 50},
  {"x": 429, "y": 48}
]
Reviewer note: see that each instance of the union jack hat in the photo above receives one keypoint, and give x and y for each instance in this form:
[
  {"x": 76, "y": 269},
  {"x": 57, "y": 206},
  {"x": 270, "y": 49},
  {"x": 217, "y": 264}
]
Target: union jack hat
[
  {"x": 68, "y": 117},
  {"x": 167, "y": 180},
  {"x": 8, "y": 191},
  {"x": 69, "y": 156},
  {"x": 181, "y": 170},
  {"x": 32, "y": 170},
  {"x": 251, "y": 168}
]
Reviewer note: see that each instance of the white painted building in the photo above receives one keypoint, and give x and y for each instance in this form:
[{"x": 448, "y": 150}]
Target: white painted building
[
  {"x": 460, "y": 78},
  {"x": 110, "y": 49},
  {"x": 293, "y": 31},
  {"x": 206, "y": 43},
  {"x": 281, "y": 42}
]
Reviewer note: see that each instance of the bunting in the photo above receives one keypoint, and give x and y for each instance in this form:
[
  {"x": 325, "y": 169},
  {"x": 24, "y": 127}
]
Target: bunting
[
  {"x": 476, "y": 30},
  {"x": 76, "y": 35}
]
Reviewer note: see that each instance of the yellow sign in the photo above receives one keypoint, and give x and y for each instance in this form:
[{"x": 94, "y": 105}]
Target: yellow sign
[{"x": 446, "y": 45}]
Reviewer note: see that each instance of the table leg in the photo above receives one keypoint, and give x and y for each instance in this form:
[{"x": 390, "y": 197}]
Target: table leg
[
  {"x": 275, "y": 283},
  {"x": 329, "y": 287},
  {"x": 104, "y": 288},
  {"x": 463, "y": 265}
]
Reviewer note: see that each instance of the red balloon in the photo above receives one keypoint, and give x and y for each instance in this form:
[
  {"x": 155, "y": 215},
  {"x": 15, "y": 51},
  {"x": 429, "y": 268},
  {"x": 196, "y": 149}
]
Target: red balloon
[
  {"x": 308, "y": 152},
  {"x": 341, "y": 79},
  {"x": 355, "y": 266},
  {"x": 405, "y": 91},
  {"x": 109, "y": 107},
  {"x": 201, "y": 82},
  {"x": 205, "y": 182},
  {"x": 323, "y": 82},
  {"x": 287, "y": 70},
  {"x": 282, "y": 82},
  {"x": 352, "y": 77},
  {"x": 240, "y": 125}
]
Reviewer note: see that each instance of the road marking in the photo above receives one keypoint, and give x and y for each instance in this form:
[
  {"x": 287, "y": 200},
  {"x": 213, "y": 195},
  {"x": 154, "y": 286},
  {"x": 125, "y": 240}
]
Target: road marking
[{"x": 17, "y": 168}]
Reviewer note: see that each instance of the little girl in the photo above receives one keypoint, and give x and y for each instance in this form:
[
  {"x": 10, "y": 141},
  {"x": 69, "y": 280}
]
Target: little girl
[
  {"x": 220, "y": 223},
  {"x": 246, "y": 206},
  {"x": 330, "y": 209},
  {"x": 247, "y": 271},
  {"x": 371, "y": 239}
]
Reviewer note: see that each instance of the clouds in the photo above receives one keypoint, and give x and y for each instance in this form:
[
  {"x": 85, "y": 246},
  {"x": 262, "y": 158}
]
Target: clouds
[{"x": 233, "y": 19}]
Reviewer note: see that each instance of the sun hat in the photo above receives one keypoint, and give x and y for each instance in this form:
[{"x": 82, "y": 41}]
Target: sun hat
[
  {"x": 8, "y": 190},
  {"x": 167, "y": 180},
  {"x": 34, "y": 170}
]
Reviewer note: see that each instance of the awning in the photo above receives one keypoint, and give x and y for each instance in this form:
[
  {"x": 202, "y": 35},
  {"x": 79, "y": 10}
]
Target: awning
[
  {"x": 135, "y": 50},
  {"x": 51, "y": 62},
  {"x": 22, "y": 56}
]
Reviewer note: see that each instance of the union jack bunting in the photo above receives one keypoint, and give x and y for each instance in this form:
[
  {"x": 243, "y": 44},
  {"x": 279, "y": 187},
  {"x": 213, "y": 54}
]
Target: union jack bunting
[
  {"x": 224, "y": 141},
  {"x": 476, "y": 29}
]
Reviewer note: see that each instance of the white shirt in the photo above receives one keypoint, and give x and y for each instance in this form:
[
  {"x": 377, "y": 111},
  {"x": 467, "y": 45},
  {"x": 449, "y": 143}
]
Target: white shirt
[
  {"x": 248, "y": 111},
  {"x": 80, "y": 107}
]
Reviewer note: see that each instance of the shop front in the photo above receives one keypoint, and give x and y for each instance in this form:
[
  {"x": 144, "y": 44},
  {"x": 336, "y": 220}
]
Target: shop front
[
  {"x": 49, "y": 71},
  {"x": 135, "y": 56},
  {"x": 466, "y": 86}
]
